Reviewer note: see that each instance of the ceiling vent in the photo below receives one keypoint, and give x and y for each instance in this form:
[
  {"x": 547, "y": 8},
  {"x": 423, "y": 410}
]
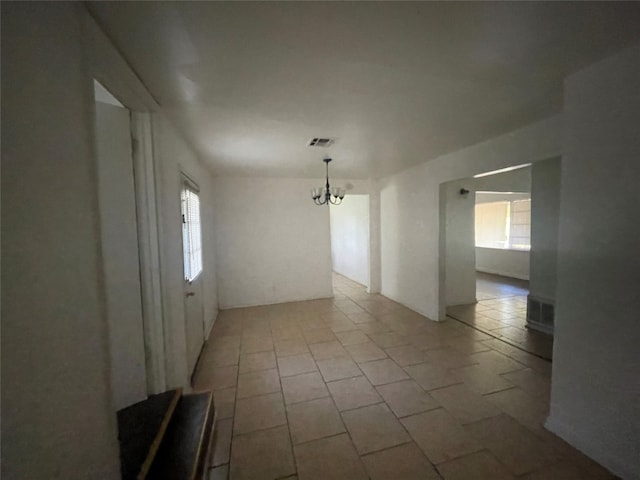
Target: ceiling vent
[{"x": 321, "y": 142}]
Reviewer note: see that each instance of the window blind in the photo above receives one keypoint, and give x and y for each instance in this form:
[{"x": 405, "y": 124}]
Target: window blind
[{"x": 191, "y": 233}]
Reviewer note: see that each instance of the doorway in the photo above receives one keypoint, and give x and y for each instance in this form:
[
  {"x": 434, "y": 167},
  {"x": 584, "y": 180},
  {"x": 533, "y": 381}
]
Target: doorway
[
  {"x": 349, "y": 223},
  {"x": 487, "y": 233},
  {"x": 120, "y": 248}
]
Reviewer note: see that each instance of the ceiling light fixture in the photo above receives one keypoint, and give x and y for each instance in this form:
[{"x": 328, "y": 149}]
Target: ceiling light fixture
[{"x": 327, "y": 195}]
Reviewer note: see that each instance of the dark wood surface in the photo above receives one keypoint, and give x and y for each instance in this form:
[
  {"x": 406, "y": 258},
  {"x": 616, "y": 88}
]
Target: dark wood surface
[
  {"x": 182, "y": 454},
  {"x": 140, "y": 430}
]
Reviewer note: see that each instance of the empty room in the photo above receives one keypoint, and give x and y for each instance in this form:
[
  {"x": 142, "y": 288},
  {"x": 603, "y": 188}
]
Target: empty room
[{"x": 320, "y": 240}]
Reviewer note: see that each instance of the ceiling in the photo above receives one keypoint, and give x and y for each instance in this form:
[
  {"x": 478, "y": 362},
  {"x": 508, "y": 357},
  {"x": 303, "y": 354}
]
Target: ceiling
[{"x": 248, "y": 84}]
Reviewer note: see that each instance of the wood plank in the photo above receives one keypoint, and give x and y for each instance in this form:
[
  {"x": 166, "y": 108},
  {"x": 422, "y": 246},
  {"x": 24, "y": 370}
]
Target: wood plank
[
  {"x": 180, "y": 455},
  {"x": 141, "y": 428}
]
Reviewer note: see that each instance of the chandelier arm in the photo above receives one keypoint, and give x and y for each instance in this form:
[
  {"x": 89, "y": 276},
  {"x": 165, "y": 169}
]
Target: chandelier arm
[{"x": 326, "y": 197}]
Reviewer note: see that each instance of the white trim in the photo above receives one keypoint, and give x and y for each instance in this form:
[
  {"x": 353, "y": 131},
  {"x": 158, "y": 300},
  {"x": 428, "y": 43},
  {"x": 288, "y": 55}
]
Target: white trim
[
  {"x": 145, "y": 182},
  {"x": 503, "y": 273}
]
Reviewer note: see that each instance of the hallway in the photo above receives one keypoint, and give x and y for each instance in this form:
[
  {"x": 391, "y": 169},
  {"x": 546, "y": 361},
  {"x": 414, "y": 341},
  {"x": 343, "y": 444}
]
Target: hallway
[
  {"x": 501, "y": 312},
  {"x": 361, "y": 387}
]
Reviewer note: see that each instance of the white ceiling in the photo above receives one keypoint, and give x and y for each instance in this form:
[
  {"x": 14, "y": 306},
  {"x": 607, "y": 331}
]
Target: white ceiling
[{"x": 395, "y": 83}]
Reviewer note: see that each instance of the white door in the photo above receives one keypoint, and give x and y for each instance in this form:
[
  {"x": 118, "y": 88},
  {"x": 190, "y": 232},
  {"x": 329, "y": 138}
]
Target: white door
[
  {"x": 120, "y": 255},
  {"x": 192, "y": 256}
]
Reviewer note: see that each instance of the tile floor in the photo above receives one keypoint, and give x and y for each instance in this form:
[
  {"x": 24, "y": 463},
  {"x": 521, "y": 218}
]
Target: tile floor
[
  {"x": 360, "y": 387},
  {"x": 501, "y": 312}
]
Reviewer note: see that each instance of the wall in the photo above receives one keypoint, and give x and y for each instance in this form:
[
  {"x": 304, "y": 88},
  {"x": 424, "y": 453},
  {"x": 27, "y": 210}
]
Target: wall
[
  {"x": 596, "y": 360},
  {"x": 173, "y": 157},
  {"x": 57, "y": 420},
  {"x": 375, "y": 273},
  {"x": 500, "y": 197},
  {"x": 518, "y": 180},
  {"x": 273, "y": 244},
  {"x": 460, "y": 260},
  {"x": 545, "y": 210},
  {"x": 411, "y": 243},
  {"x": 350, "y": 238},
  {"x": 509, "y": 263},
  {"x": 55, "y": 333}
]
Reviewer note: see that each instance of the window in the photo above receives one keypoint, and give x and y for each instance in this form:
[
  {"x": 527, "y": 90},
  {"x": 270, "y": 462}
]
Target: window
[
  {"x": 504, "y": 223},
  {"x": 191, "y": 231},
  {"x": 520, "y": 225}
]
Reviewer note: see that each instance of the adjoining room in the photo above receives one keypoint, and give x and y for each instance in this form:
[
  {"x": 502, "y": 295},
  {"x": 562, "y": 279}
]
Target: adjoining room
[{"x": 510, "y": 218}]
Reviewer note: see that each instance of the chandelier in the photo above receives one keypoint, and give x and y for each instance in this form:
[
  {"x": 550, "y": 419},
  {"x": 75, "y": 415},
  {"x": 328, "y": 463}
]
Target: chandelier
[{"x": 327, "y": 195}]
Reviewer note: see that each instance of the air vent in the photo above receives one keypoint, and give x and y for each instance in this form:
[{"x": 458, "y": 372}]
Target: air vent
[
  {"x": 321, "y": 142},
  {"x": 540, "y": 315}
]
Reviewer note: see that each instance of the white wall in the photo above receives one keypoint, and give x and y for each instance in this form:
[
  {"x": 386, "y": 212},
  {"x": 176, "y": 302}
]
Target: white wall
[
  {"x": 410, "y": 211},
  {"x": 545, "y": 212},
  {"x": 499, "y": 261},
  {"x": 57, "y": 418},
  {"x": 500, "y": 197},
  {"x": 350, "y": 238},
  {"x": 518, "y": 180},
  {"x": 460, "y": 260},
  {"x": 273, "y": 243},
  {"x": 375, "y": 272},
  {"x": 596, "y": 359}
]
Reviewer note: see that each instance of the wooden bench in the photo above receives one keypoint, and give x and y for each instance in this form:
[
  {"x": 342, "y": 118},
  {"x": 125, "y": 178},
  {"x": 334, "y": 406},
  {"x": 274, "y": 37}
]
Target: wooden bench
[{"x": 167, "y": 436}]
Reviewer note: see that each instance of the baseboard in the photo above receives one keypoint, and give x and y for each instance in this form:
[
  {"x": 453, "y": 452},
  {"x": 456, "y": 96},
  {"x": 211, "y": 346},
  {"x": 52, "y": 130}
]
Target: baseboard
[
  {"x": 608, "y": 460},
  {"x": 289, "y": 300},
  {"x": 540, "y": 328},
  {"x": 503, "y": 274},
  {"x": 458, "y": 302}
]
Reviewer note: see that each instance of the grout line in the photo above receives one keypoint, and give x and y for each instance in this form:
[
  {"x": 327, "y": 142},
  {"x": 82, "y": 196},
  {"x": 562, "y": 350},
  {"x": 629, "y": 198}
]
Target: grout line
[
  {"x": 340, "y": 413},
  {"x": 286, "y": 415},
  {"x": 502, "y": 339}
]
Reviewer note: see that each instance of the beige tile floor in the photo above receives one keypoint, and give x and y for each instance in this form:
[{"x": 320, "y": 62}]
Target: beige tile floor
[
  {"x": 360, "y": 387},
  {"x": 501, "y": 312}
]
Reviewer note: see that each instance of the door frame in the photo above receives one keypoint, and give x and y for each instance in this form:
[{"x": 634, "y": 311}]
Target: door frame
[
  {"x": 149, "y": 247},
  {"x": 107, "y": 67}
]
